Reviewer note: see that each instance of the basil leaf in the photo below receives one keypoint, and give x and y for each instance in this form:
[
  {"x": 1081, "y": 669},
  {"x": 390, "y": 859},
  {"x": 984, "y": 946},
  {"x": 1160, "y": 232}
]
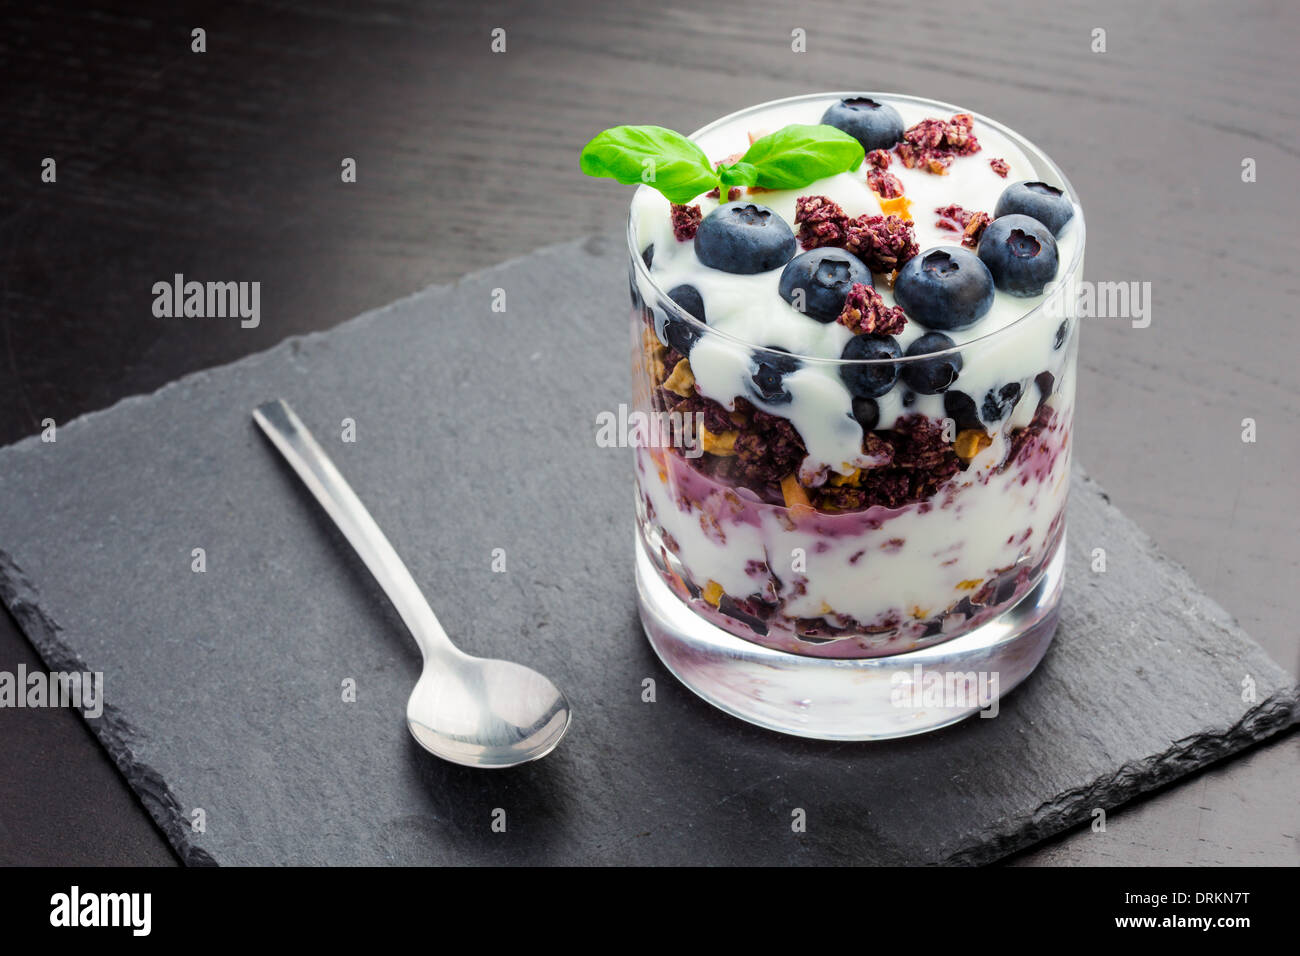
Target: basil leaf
[
  {"x": 796, "y": 155},
  {"x": 738, "y": 174},
  {"x": 658, "y": 157}
]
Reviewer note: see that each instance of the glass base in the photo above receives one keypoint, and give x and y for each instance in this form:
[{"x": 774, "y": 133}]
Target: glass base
[{"x": 851, "y": 699}]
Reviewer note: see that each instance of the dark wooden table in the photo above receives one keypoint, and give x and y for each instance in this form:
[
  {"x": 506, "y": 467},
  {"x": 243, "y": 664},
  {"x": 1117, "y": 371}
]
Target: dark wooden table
[{"x": 226, "y": 165}]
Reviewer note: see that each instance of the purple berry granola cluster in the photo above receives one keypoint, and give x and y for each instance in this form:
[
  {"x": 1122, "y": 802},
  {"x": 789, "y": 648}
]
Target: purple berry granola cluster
[
  {"x": 882, "y": 182},
  {"x": 970, "y": 224},
  {"x": 686, "y": 222},
  {"x": 883, "y": 243},
  {"x": 865, "y": 312},
  {"x": 933, "y": 144}
]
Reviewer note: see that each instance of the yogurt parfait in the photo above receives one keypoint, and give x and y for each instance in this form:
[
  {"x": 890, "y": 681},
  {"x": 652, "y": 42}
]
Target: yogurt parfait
[{"x": 854, "y": 312}]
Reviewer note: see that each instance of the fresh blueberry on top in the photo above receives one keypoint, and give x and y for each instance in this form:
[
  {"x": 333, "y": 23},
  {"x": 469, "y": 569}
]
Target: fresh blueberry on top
[
  {"x": 960, "y": 407},
  {"x": 1047, "y": 204},
  {"x": 999, "y": 401},
  {"x": 870, "y": 380},
  {"x": 932, "y": 376},
  {"x": 769, "y": 375},
  {"x": 874, "y": 125},
  {"x": 674, "y": 331},
  {"x": 1020, "y": 253},
  {"x": 866, "y": 412},
  {"x": 744, "y": 238},
  {"x": 944, "y": 288},
  {"x": 818, "y": 281}
]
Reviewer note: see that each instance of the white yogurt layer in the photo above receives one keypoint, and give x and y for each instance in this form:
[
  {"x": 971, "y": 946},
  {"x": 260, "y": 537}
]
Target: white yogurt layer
[{"x": 750, "y": 309}]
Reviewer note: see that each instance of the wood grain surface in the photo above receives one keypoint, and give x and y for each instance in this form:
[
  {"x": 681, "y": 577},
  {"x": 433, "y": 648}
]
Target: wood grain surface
[{"x": 225, "y": 165}]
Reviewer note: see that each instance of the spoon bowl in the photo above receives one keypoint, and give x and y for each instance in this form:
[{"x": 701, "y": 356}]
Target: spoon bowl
[{"x": 487, "y": 713}]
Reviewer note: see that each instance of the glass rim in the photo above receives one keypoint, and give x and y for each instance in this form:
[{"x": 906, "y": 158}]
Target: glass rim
[{"x": 1061, "y": 284}]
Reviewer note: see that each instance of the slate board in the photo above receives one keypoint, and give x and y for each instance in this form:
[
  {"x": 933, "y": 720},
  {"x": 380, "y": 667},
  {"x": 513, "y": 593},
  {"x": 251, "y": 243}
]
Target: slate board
[{"x": 475, "y": 431}]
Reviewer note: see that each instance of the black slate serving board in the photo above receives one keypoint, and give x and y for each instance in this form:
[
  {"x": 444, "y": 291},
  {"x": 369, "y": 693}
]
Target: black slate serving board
[{"x": 475, "y": 430}]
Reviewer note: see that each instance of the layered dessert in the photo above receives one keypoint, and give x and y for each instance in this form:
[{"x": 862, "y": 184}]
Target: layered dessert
[{"x": 871, "y": 374}]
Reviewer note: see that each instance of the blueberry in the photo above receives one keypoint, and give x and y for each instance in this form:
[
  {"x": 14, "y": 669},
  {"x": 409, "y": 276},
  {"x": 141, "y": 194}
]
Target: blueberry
[
  {"x": 999, "y": 401},
  {"x": 1060, "y": 334},
  {"x": 866, "y": 412},
  {"x": 870, "y": 381},
  {"x": 931, "y": 376},
  {"x": 769, "y": 375},
  {"x": 1045, "y": 382},
  {"x": 1047, "y": 204},
  {"x": 944, "y": 288},
  {"x": 675, "y": 332},
  {"x": 960, "y": 407},
  {"x": 1020, "y": 253},
  {"x": 874, "y": 125},
  {"x": 744, "y": 238},
  {"x": 648, "y": 255},
  {"x": 909, "y": 398},
  {"x": 818, "y": 281},
  {"x": 689, "y": 300}
]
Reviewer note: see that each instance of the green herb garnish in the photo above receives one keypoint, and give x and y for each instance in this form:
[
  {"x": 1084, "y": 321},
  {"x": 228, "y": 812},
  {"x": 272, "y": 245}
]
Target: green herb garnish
[{"x": 790, "y": 158}]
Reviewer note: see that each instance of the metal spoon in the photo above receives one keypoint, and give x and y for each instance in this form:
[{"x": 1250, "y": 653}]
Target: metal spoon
[{"x": 471, "y": 711}]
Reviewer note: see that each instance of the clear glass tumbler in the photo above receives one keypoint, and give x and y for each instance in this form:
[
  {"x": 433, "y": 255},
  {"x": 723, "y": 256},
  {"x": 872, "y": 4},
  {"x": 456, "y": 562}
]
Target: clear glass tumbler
[{"x": 797, "y": 608}]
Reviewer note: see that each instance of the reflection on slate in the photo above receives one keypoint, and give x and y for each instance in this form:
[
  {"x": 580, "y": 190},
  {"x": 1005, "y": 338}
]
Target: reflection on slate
[{"x": 475, "y": 431}]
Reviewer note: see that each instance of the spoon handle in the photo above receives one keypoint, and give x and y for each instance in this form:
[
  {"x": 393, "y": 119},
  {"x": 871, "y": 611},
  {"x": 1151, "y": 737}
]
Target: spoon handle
[{"x": 291, "y": 437}]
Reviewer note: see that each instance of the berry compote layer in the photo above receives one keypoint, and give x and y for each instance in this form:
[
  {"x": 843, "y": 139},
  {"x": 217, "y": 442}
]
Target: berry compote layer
[{"x": 881, "y": 398}]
